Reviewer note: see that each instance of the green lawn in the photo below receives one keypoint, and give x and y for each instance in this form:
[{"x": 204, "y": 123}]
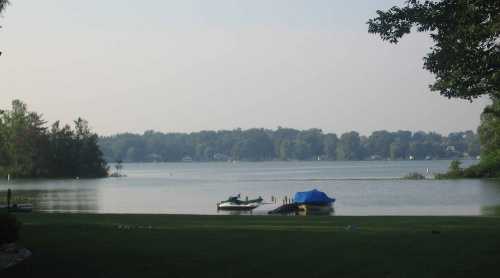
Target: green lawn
[{"x": 78, "y": 245}]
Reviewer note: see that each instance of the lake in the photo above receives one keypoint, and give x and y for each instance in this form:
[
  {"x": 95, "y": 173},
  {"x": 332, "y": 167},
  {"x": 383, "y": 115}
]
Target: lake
[{"x": 361, "y": 188}]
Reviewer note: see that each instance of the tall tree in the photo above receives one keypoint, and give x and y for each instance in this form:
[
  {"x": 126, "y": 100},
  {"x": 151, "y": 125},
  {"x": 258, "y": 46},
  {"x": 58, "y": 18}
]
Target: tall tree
[
  {"x": 465, "y": 58},
  {"x": 379, "y": 143},
  {"x": 488, "y": 131},
  {"x": 349, "y": 147},
  {"x": 24, "y": 141},
  {"x": 313, "y": 139},
  {"x": 466, "y": 55},
  {"x": 28, "y": 149},
  {"x": 3, "y": 4},
  {"x": 330, "y": 146}
]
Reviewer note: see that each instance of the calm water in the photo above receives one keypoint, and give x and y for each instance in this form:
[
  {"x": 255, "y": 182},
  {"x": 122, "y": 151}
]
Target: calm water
[{"x": 361, "y": 188}]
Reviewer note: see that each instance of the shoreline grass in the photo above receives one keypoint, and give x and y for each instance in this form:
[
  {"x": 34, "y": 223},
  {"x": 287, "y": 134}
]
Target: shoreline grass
[{"x": 126, "y": 245}]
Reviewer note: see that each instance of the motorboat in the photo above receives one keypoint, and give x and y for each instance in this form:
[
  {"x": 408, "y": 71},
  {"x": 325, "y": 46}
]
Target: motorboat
[
  {"x": 314, "y": 202},
  {"x": 235, "y": 203}
]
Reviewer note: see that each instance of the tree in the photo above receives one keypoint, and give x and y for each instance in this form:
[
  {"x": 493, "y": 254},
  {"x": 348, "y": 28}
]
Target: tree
[
  {"x": 396, "y": 150},
  {"x": 400, "y": 148},
  {"x": 313, "y": 138},
  {"x": 349, "y": 147},
  {"x": 330, "y": 146},
  {"x": 23, "y": 133},
  {"x": 88, "y": 155},
  {"x": 489, "y": 130},
  {"x": 379, "y": 143},
  {"x": 29, "y": 149},
  {"x": 466, "y": 56},
  {"x": 282, "y": 139},
  {"x": 302, "y": 150},
  {"x": 256, "y": 146},
  {"x": 3, "y": 4}
]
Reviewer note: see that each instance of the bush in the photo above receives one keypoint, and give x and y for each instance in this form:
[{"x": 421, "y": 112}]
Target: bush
[
  {"x": 488, "y": 167},
  {"x": 9, "y": 228},
  {"x": 454, "y": 171}
]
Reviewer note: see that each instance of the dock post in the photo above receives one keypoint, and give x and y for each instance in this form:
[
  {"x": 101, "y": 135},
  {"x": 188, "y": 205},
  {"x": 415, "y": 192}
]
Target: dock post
[{"x": 9, "y": 196}]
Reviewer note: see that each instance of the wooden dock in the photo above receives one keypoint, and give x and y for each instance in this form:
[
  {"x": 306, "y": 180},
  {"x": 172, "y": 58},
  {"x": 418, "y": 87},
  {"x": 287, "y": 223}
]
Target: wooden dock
[{"x": 285, "y": 209}]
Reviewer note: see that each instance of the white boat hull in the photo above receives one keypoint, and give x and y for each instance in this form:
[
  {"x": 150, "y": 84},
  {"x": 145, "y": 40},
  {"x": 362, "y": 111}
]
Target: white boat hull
[{"x": 232, "y": 206}]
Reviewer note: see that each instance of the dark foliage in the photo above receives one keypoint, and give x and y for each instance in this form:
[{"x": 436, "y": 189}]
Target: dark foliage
[
  {"x": 3, "y": 4},
  {"x": 465, "y": 60},
  {"x": 29, "y": 149},
  {"x": 286, "y": 144},
  {"x": 466, "y": 55}
]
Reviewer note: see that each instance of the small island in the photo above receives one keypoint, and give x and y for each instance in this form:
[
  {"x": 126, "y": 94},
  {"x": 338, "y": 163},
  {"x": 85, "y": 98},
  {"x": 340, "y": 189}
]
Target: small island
[{"x": 30, "y": 149}]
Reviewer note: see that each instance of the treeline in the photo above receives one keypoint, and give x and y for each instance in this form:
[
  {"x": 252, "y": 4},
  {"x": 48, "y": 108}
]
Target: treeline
[
  {"x": 489, "y": 135},
  {"x": 28, "y": 148},
  {"x": 286, "y": 144}
]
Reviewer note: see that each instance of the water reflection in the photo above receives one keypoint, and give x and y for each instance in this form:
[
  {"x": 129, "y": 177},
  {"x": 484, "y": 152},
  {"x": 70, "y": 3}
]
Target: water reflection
[
  {"x": 490, "y": 194},
  {"x": 67, "y": 200},
  {"x": 54, "y": 195},
  {"x": 195, "y": 188}
]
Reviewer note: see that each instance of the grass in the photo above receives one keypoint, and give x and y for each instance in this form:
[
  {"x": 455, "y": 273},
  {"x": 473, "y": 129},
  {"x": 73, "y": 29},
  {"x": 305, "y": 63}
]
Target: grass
[{"x": 79, "y": 245}]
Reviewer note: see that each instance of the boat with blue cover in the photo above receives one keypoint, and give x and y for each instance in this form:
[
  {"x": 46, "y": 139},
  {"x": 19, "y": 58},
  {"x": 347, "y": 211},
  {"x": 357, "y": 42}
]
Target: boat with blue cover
[{"x": 313, "y": 202}]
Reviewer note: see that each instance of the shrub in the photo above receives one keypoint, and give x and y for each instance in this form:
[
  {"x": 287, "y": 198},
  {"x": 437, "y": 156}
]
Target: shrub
[
  {"x": 488, "y": 167},
  {"x": 454, "y": 171},
  {"x": 9, "y": 228}
]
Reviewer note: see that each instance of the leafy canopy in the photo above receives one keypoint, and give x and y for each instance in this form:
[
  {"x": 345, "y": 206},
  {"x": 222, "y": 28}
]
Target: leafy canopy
[
  {"x": 28, "y": 149},
  {"x": 466, "y": 55},
  {"x": 3, "y": 4}
]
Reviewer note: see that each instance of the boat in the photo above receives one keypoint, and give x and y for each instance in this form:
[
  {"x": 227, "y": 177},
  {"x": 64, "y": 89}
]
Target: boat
[
  {"x": 234, "y": 206},
  {"x": 18, "y": 207},
  {"x": 314, "y": 209},
  {"x": 313, "y": 202},
  {"x": 234, "y": 203}
]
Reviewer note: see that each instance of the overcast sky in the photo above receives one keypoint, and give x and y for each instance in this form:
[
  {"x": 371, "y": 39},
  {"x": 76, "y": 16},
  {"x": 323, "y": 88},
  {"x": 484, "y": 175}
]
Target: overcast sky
[{"x": 190, "y": 65}]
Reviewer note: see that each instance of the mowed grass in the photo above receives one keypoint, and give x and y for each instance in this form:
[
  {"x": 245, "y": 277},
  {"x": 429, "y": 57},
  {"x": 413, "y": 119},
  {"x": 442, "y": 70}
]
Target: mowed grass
[{"x": 80, "y": 245}]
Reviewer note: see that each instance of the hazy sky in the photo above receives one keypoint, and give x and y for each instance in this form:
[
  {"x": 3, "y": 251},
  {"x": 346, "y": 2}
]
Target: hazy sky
[{"x": 190, "y": 65}]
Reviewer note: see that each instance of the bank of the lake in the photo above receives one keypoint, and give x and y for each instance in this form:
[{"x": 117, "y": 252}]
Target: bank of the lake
[{"x": 105, "y": 245}]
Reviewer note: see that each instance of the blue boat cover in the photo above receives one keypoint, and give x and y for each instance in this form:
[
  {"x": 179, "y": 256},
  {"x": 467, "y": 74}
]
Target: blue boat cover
[{"x": 313, "y": 197}]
